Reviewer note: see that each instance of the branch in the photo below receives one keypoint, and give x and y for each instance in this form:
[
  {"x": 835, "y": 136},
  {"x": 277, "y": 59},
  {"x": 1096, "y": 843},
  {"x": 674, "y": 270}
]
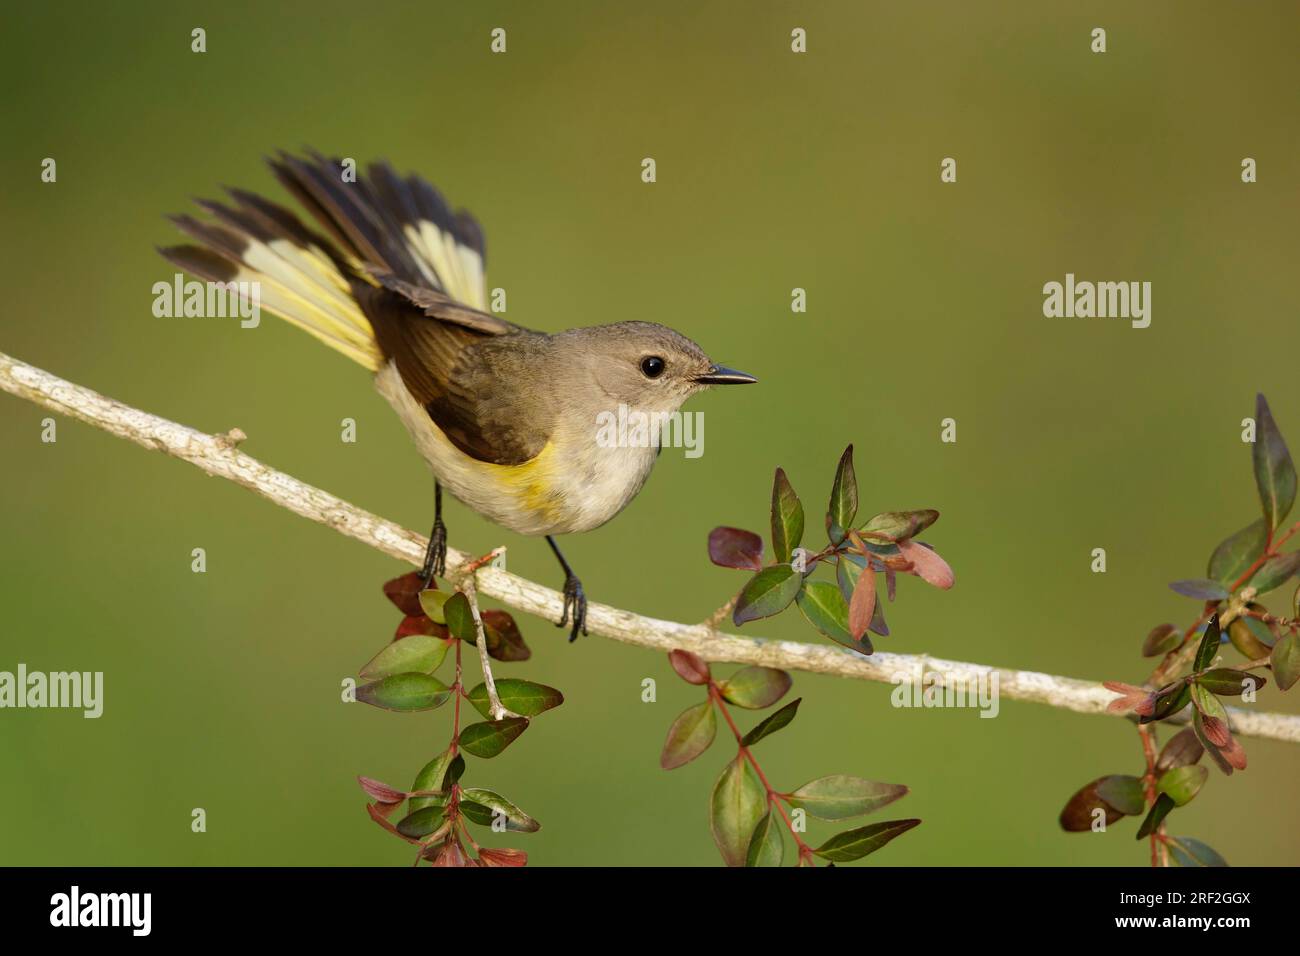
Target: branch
[{"x": 218, "y": 455}]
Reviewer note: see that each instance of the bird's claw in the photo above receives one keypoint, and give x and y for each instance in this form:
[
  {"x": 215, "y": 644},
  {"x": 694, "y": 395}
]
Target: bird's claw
[
  {"x": 435, "y": 558},
  {"x": 576, "y": 600}
]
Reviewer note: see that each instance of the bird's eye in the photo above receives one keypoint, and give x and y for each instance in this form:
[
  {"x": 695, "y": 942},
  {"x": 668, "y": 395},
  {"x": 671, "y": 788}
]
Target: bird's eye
[{"x": 652, "y": 366}]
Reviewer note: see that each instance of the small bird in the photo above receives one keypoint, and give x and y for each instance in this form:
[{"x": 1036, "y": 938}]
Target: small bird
[{"x": 505, "y": 417}]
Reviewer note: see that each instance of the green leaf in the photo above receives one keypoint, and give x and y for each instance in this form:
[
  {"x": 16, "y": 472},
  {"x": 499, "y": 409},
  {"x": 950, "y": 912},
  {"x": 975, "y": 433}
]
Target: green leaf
[
  {"x": 433, "y": 776},
  {"x": 736, "y": 805},
  {"x": 1274, "y": 472},
  {"x": 787, "y": 518},
  {"x": 460, "y": 617},
  {"x": 844, "y": 498},
  {"x": 841, "y": 797},
  {"x": 1124, "y": 793},
  {"x": 522, "y": 697},
  {"x": 689, "y": 736},
  {"x": 1189, "y": 852},
  {"x": 848, "y": 567},
  {"x": 824, "y": 607},
  {"x": 768, "y": 592},
  {"x": 1286, "y": 661},
  {"x": 1202, "y": 589},
  {"x": 1159, "y": 810},
  {"x": 490, "y": 737},
  {"x": 855, "y": 844},
  {"x": 1275, "y": 572},
  {"x": 405, "y": 693},
  {"x": 1238, "y": 552},
  {"x": 1248, "y": 637},
  {"x": 1169, "y": 701},
  {"x": 418, "y": 654},
  {"x": 422, "y": 822},
  {"x": 1209, "y": 646},
  {"x": 772, "y": 723},
  {"x": 494, "y": 803},
  {"x": 1229, "y": 682},
  {"x": 432, "y": 603},
  {"x": 1182, "y": 783},
  {"x": 756, "y": 687},
  {"x": 1162, "y": 639},
  {"x": 766, "y": 846},
  {"x": 1208, "y": 704},
  {"x": 898, "y": 525}
]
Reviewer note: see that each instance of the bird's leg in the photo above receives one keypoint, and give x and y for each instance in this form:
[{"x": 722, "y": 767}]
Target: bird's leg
[
  {"x": 435, "y": 555},
  {"x": 574, "y": 598}
]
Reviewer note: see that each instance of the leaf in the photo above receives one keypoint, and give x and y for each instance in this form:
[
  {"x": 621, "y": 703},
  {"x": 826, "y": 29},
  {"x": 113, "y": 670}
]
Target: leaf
[
  {"x": 844, "y": 498},
  {"x": 488, "y": 738},
  {"x": 756, "y": 687},
  {"x": 1077, "y": 816},
  {"x": 1169, "y": 700},
  {"x": 689, "y": 736},
  {"x": 1181, "y": 750},
  {"x": 1215, "y": 752},
  {"x": 515, "y": 818},
  {"x": 772, "y": 723},
  {"x": 1209, "y": 646},
  {"x": 1182, "y": 783},
  {"x": 766, "y": 846},
  {"x": 848, "y": 568},
  {"x": 898, "y": 525},
  {"x": 855, "y": 844},
  {"x": 433, "y": 776},
  {"x": 823, "y": 606},
  {"x": 787, "y": 518},
  {"x": 432, "y": 603},
  {"x": 1159, "y": 810},
  {"x": 736, "y": 805},
  {"x": 460, "y": 618},
  {"x": 1246, "y": 639},
  {"x": 1203, "y": 589},
  {"x": 1285, "y": 659},
  {"x": 863, "y": 605},
  {"x": 420, "y": 624},
  {"x": 1189, "y": 852},
  {"x": 927, "y": 565},
  {"x": 1275, "y": 572},
  {"x": 405, "y": 693},
  {"x": 1162, "y": 639},
  {"x": 734, "y": 548},
  {"x": 380, "y": 791},
  {"x": 841, "y": 797},
  {"x": 404, "y": 592},
  {"x": 418, "y": 653},
  {"x": 1274, "y": 472},
  {"x": 522, "y": 697},
  {"x": 1124, "y": 793},
  {"x": 768, "y": 592},
  {"x": 1210, "y": 706},
  {"x": 501, "y": 856},
  {"x": 422, "y": 822},
  {"x": 1230, "y": 682},
  {"x": 1238, "y": 552},
  {"x": 689, "y": 667},
  {"x": 504, "y": 642}
]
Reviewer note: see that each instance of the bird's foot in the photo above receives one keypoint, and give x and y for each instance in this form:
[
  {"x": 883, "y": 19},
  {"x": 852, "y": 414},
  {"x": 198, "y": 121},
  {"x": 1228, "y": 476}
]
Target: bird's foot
[
  {"x": 435, "y": 555},
  {"x": 575, "y": 600}
]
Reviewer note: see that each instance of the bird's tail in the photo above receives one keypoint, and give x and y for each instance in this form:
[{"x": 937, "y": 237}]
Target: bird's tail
[{"x": 379, "y": 226}]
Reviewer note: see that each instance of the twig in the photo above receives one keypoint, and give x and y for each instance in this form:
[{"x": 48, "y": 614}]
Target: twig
[{"x": 217, "y": 456}]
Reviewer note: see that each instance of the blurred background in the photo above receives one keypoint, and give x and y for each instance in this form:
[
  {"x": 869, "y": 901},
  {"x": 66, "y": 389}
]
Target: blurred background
[{"x": 775, "y": 171}]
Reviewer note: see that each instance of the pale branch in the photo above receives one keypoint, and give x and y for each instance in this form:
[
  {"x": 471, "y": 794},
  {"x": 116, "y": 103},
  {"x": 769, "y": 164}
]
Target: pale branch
[{"x": 218, "y": 455}]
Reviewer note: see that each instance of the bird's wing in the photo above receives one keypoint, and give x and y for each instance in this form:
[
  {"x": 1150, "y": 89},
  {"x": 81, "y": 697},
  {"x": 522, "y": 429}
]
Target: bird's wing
[
  {"x": 466, "y": 369},
  {"x": 401, "y": 227}
]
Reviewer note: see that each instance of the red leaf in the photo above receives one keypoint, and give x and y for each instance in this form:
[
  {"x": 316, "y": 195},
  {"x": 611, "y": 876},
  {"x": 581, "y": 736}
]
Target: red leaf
[
  {"x": 1137, "y": 699},
  {"x": 501, "y": 856},
  {"x": 422, "y": 624},
  {"x": 927, "y": 565},
  {"x": 449, "y": 853},
  {"x": 735, "y": 548},
  {"x": 1217, "y": 732},
  {"x": 689, "y": 667},
  {"x": 381, "y": 791},
  {"x": 404, "y": 592},
  {"x": 1233, "y": 753},
  {"x": 863, "y": 603}
]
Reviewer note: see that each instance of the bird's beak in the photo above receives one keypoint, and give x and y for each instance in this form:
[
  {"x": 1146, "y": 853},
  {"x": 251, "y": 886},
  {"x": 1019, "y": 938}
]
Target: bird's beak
[{"x": 721, "y": 375}]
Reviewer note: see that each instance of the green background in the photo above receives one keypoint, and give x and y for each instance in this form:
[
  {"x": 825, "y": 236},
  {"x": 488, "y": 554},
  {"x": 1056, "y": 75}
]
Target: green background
[{"x": 775, "y": 170}]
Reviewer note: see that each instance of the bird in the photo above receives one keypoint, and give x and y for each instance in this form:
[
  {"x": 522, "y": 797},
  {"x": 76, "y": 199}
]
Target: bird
[{"x": 393, "y": 278}]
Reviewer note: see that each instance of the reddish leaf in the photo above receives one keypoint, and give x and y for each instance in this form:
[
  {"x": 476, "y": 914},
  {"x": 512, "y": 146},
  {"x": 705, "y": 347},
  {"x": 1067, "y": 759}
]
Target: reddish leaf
[
  {"x": 419, "y": 624},
  {"x": 501, "y": 856},
  {"x": 1139, "y": 700},
  {"x": 1216, "y": 731},
  {"x": 449, "y": 853},
  {"x": 504, "y": 641},
  {"x": 377, "y": 814},
  {"x": 404, "y": 592},
  {"x": 1233, "y": 753},
  {"x": 736, "y": 548},
  {"x": 381, "y": 791},
  {"x": 863, "y": 605},
  {"x": 926, "y": 564},
  {"x": 689, "y": 667}
]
